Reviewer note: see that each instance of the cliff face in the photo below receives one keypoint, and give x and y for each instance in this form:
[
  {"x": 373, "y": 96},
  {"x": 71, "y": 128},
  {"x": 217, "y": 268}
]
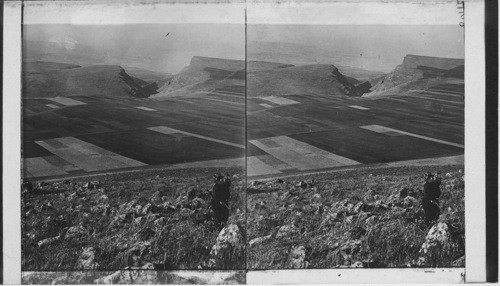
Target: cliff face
[
  {"x": 415, "y": 68},
  {"x": 318, "y": 79},
  {"x": 48, "y": 79}
]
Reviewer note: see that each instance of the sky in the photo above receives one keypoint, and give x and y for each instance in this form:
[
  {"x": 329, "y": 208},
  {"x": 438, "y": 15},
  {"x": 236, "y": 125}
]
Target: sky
[{"x": 373, "y": 35}]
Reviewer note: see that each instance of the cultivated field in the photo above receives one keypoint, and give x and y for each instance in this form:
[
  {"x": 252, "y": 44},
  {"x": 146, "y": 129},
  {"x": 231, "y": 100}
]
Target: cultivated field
[
  {"x": 92, "y": 134},
  {"x": 297, "y": 133}
]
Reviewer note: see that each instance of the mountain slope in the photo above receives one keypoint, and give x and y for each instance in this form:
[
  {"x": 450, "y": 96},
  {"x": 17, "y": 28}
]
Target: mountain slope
[
  {"x": 415, "y": 72},
  {"x": 306, "y": 79},
  {"x": 204, "y": 74},
  {"x": 48, "y": 79}
]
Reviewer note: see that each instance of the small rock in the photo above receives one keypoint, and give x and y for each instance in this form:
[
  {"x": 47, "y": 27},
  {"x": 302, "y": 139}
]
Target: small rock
[
  {"x": 146, "y": 209},
  {"x": 357, "y": 264},
  {"x": 160, "y": 222},
  {"x": 370, "y": 220},
  {"x": 358, "y": 207},
  {"x": 48, "y": 241},
  {"x": 259, "y": 240},
  {"x": 88, "y": 185},
  {"x": 317, "y": 196},
  {"x": 297, "y": 258},
  {"x": 86, "y": 260},
  {"x": 287, "y": 231},
  {"x": 197, "y": 203},
  {"x": 409, "y": 202},
  {"x": 75, "y": 231},
  {"x": 256, "y": 183},
  {"x": 301, "y": 184}
]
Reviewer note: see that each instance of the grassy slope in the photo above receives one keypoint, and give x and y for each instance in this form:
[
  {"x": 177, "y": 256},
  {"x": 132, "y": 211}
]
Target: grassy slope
[
  {"x": 182, "y": 238},
  {"x": 392, "y": 240}
]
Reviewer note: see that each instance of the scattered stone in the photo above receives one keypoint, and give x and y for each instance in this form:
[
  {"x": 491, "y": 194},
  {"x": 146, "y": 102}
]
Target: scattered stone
[
  {"x": 279, "y": 181},
  {"x": 357, "y": 264},
  {"x": 230, "y": 243},
  {"x": 256, "y": 183},
  {"x": 103, "y": 198},
  {"x": 42, "y": 184},
  {"x": 301, "y": 184},
  {"x": 287, "y": 231},
  {"x": 358, "y": 207},
  {"x": 409, "y": 202},
  {"x": 88, "y": 185},
  {"x": 197, "y": 203},
  {"x": 48, "y": 241},
  {"x": 75, "y": 231},
  {"x": 86, "y": 260},
  {"x": 297, "y": 258},
  {"x": 259, "y": 240},
  {"x": 146, "y": 209}
]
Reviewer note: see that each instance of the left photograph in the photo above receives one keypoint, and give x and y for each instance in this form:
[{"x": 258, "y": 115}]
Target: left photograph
[{"x": 133, "y": 142}]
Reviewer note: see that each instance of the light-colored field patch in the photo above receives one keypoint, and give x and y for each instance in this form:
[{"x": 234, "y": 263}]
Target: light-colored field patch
[
  {"x": 280, "y": 100},
  {"x": 383, "y": 129},
  {"x": 39, "y": 167},
  {"x": 266, "y": 105},
  {"x": 52, "y": 106},
  {"x": 66, "y": 101},
  {"x": 256, "y": 167},
  {"x": 145, "y": 108},
  {"x": 359, "y": 107},
  {"x": 168, "y": 130},
  {"x": 86, "y": 156},
  {"x": 301, "y": 155}
]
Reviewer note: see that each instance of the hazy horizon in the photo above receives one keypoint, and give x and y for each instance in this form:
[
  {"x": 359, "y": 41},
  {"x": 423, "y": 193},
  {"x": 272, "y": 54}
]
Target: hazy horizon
[{"x": 371, "y": 47}]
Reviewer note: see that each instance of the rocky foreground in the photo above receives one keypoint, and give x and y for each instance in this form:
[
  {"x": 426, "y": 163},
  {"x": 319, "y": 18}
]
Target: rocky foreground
[
  {"x": 144, "y": 221},
  {"x": 355, "y": 219}
]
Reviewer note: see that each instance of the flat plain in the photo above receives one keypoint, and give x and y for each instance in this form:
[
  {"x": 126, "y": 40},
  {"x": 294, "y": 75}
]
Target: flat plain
[{"x": 315, "y": 132}]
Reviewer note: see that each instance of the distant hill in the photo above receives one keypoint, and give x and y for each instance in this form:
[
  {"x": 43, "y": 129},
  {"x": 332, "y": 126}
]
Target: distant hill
[
  {"x": 416, "y": 72},
  {"x": 306, "y": 79},
  {"x": 146, "y": 75},
  {"x": 301, "y": 54},
  {"x": 204, "y": 74},
  {"x": 50, "y": 79}
]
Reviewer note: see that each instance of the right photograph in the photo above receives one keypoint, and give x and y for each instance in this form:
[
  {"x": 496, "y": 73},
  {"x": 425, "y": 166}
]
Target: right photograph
[{"x": 355, "y": 142}]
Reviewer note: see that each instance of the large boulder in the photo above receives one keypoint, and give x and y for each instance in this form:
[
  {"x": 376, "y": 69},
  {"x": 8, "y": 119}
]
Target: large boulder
[
  {"x": 436, "y": 244},
  {"x": 230, "y": 244}
]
